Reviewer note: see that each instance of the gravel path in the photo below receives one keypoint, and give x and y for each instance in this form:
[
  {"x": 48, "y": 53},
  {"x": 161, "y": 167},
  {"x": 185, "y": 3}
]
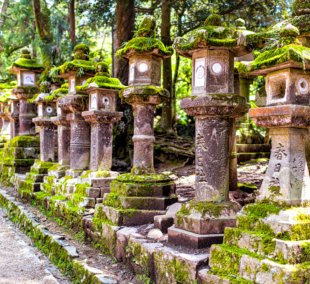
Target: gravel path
[{"x": 18, "y": 262}]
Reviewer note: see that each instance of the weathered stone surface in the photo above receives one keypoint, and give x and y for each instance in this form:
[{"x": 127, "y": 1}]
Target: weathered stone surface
[
  {"x": 172, "y": 266},
  {"x": 205, "y": 278},
  {"x": 173, "y": 209},
  {"x": 163, "y": 222},
  {"x": 72, "y": 252},
  {"x": 122, "y": 237},
  {"x": 249, "y": 267},
  {"x": 193, "y": 240},
  {"x": 93, "y": 192}
]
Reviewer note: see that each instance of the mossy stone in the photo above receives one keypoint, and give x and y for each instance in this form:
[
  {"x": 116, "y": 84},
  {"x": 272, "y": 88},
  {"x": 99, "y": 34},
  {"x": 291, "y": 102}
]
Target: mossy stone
[
  {"x": 213, "y": 20},
  {"x": 289, "y": 31},
  {"x": 82, "y": 47}
]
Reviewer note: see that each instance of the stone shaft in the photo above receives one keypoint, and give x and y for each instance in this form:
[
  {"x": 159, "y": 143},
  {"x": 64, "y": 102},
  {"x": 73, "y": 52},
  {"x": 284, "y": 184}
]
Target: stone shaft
[
  {"x": 287, "y": 176},
  {"x": 47, "y": 143},
  {"x": 63, "y": 136},
  {"x": 233, "y": 176},
  {"x": 212, "y": 158},
  {"x": 6, "y": 127},
  {"x": 144, "y": 136},
  {"x": 26, "y": 113},
  {"x": 80, "y": 142},
  {"x": 101, "y": 146},
  {"x": 14, "y": 125}
]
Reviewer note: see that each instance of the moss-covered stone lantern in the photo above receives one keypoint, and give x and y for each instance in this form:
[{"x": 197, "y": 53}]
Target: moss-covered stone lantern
[
  {"x": 101, "y": 115},
  {"x": 215, "y": 106},
  {"x": 137, "y": 197},
  {"x": 46, "y": 109},
  {"x": 72, "y": 105},
  {"x": 287, "y": 115},
  {"x": 272, "y": 219},
  {"x": 26, "y": 70}
]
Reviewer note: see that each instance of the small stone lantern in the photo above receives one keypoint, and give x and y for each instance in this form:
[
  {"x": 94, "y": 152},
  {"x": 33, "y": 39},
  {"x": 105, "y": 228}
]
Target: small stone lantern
[
  {"x": 301, "y": 19},
  {"x": 143, "y": 190},
  {"x": 72, "y": 105},
  {"x": 287, "y": 115},
  {"x": 13, "y": 115},
  {"x": 101, "y": 115},
  {"x": 215, "y": 107},
  {"x": 46, "y": 110},
  {"x": 26, "y": 70},
  {"x": 6, "y": 123}
]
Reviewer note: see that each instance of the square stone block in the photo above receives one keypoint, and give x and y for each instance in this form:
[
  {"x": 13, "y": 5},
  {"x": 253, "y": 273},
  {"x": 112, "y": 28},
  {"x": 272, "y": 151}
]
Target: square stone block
[
  {"x": 188, "y": 239},
  {"x": 163, "y": 222}
]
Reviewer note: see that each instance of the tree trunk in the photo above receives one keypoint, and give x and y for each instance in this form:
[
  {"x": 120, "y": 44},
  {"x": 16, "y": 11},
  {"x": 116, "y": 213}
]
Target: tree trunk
[
  {"x": 34, "y": 54},
  {"x": 123, "y": 132},
  {"x": 72, "y": 22},
  {"x": 42, "y": 22},
  {"x": 174, "y": 95},
  {"x": 166, "y": 118},
  {"x": 3, "y": 12}
]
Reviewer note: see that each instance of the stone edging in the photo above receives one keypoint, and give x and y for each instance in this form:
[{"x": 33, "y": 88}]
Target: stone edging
[{"x": 59, "y": 252}]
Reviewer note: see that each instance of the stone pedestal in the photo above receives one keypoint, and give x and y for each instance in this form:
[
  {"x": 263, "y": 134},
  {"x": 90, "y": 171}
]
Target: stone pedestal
[
  {"x": 197, "y": 225},
  {"x": 101, "y": 138},
  {"x": 64, "y": 133},
  {"x": 26, "y": 113},
  {"x": 14, "y": 125},
  {"x": 287, "y": 176},
  {"x": 47, "y": 138},
  {"x": 233, "y": 175}
]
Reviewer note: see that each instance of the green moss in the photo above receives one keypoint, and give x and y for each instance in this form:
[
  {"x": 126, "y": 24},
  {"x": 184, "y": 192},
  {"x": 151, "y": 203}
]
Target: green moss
[
  {"x": 247, "y": 186},
  {"x": 80, "y": 66},
  {"x": 59, "y": 197},
  {"x": 5, "y": 86},
  {"x": 82, "y": 47},
  {"x": 144, "y": 45},
  {"x": 261, "y": 210},
  {"x": 280, "y": 55},
  {"x": 23, "y": 141},
  {"x": 259, "y": 39},
  {"x": 144, "y": 92},
  {"x": 213, "y": 20},
  {"x": 101, "y": 82},
  {"x": 30, "y": 64},
  {"x": 142, "y": 178}
]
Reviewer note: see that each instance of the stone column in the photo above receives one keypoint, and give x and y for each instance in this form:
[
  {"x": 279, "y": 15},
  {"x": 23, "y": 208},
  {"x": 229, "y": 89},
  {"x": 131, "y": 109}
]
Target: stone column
[
  {"x": 6, "y": 125},
  {"x": 80, "y": 142},
  {"x": 26, "y": 113},
  {"x": 64, "y": 133},
  {"x": 144, "y": 136},
  {"x": 212, "y": 159},
  {"x": 245, "y": 84},
  {"x": 101, "y": 138},
  {"x": 14, "y": 125},
  {"x": 233, "y": 174},
  {"x": 47, "y": 138}
]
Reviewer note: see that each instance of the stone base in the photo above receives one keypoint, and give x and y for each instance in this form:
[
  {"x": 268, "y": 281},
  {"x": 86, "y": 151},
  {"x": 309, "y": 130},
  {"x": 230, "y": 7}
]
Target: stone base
[
  {"x": 129, "y": 217},
  {"x": 192, "y": 240},
  {"x": 270, "y": 249},
  {"x": 74, "y": 173}
]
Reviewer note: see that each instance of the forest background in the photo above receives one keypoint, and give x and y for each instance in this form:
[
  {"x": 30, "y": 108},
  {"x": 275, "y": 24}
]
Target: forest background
[{"x": 51, "y": 29}]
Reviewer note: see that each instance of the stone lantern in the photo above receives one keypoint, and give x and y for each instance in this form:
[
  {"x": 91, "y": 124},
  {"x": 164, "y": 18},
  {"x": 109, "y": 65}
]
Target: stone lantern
[
  {"x": 142, "y": 189},
  {"x": 287, "y": 115},
  {"x": 300, "y": 19},
  {"x": 215, "y": 106},
  {"x": 101, "y": 115},
  {"x": 72, "y": 105},
  {"x": 46, "y": 110},
  {"x": 13, "y": 115},
  {"x": 26, "y": 70},
  {"x": 273, "y": 219}
]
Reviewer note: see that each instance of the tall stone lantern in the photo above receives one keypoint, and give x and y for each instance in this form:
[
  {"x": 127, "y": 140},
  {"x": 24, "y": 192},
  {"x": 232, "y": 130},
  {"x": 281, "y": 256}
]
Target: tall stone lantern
[
  {"x": 212, "y": 48},
  {"x": 46, "y": 110},
  {"x": 26, "y": 70},
  {"x": 101, "y": 115},
  {"x": 287, "y": 115},
  {"x": 142, "y": 189},
  {"x": 72, "y": 105}
]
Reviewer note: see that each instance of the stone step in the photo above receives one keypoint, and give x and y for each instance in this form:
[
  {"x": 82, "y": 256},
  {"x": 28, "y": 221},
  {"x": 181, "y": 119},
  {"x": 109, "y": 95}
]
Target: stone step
[
  {"x": 291, "y": 251},
  {"x": 81, "y": 201},
  {"x": 30, "y": 186},
  {"x": 143, "y": 189},
  {"x": 207, "y": 276},
  {"x": 243, "y": 157},
  {"x": 290, "y": 230},
  {"x": 35, "y": 177},
  {"x": 188, "y": 239},
  {"x": 18, "y": 162},
  {"x": 127, "y": 217},
  {"x": 254, "y": 267},
  {"x": 147, "y": 203}
]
